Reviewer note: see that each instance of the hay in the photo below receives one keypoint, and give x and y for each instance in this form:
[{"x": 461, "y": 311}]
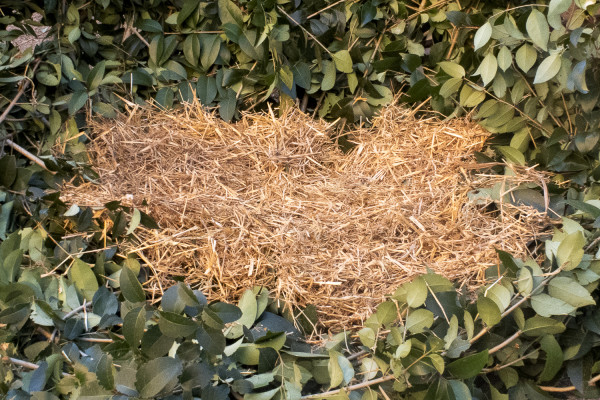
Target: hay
[{"x": 274, "y": 202}]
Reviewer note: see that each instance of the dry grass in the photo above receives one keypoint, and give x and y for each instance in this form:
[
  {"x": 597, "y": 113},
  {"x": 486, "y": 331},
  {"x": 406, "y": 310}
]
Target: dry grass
[{"x": 272, "y": 201}]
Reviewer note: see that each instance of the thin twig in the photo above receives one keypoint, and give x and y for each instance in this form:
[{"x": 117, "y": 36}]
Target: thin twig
[
  {"x": 324, "y": 9},
  {"x": 76, "y": 310},
  {"x": 136, "y": 33},
  {"x": 505, "y": 343},
  {"x": 356, "y": 355},
  {"x": 516, "y": 305},
  {"x": 95, "y": 340},
  {"x": 29, "y": 155},
  {"x": 24, "y": 364},
  {"x": 24, "y": 86},
  {"x": 350, "y": 388},
  {"x": 10, "y": 106},
  {"x": 313, "y": 37},
  {"x": 21, "y": 363}
]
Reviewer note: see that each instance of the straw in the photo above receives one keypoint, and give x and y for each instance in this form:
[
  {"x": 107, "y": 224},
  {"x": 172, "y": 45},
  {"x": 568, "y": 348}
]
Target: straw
[{"x": 274, "y": 202}]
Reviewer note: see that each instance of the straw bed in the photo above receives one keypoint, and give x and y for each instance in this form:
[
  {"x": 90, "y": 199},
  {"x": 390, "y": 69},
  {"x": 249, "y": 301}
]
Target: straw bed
[{"x": 274, "y": 202}]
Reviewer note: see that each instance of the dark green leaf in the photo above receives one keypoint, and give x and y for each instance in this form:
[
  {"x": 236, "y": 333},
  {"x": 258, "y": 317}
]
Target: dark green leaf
[
  {"x": 84, "y": 279},
  {"x": 469, "y": 366},
  {"x": 130, "y": 286},
  {"x": 302, "y": 75},
  {"x": 155, "y": 375},
  {"x": 227, "y": 105},
  {"x": 105, "y": 371},
  {"x": 554, "y": 358},
  {"x": 538, "y": 326},
  {"x": 488, "y": 311},
  {"x": 175, "y": 325},
  {"x": 419, "y": 320},
  {"x": 77, "y": 100},
  {"x": 133, "y": 326}
]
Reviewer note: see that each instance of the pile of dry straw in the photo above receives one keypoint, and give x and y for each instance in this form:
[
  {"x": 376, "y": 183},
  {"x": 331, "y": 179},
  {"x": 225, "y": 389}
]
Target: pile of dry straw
[{"x": 274, "y": 202}]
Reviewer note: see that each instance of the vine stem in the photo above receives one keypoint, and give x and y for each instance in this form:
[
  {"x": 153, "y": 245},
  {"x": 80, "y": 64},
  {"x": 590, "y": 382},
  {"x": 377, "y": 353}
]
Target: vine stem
[
  {"x": 7, "y": 110},
  {"x": 313, "y": 37},
  {"x": 505, "y": 343},
  {"x": 22, "y": 89},
  {"x": 516, "y": 305},
  {"x": 24, "y": 364},
  {"x": 591, "y": 382},
  {"x": 324, "y": 9},
  {"x": 350, "y": 388}
]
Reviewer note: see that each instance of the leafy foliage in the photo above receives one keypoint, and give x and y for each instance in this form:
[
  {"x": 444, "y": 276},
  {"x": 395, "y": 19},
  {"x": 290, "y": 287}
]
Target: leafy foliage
[{"x": 74, "y": 317}]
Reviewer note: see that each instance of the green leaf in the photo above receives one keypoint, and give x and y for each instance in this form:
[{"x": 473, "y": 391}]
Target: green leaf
[
  {"x": 453, "y": 69},
  {"x": 268, "y": 395},
  {"x": 133, "y": 326},
  {"x": 469, "y": 366},
  {"x": 227, "y": 312},
  {"x": 438, "y": 283},
  {"x": 249, "y": 308},
  {"x": 367, "y": 337},
  {"x": 555, "y": 9},
  {"x": 576, "y": 80},
  {"x": 175, "y": 325},
  {"x": 524, "y": 281},
  {"x": 227, "y": 105},
  {"x": 419, "y": 320},
  {"x": 302, "y": 75},
  {"x": 504, "y": 58},
  {"x": 483, "y": 35},
  {"x": 387, "y": 312},
  {"x": 450, "y": 87},
  {"x": 554, "y": 358},
  {"x": 460, "y": 389},
  {"x": 336, "y": 376},
  {"x": 191, "y": 49},
  {"x": 206, "y": 89},
  {"x": 500, "y": 295},
  {"x": 452, "y": 332},
  {"x": 96, "y": 75},
  {"x": 229, "y": 13},
  {"x": 416, "y": 292},
  {"x": 135, "y": 221},
  {"x": 569, "y": 291},
  {"x": 77, "y": 100},
  {"x": 526, "y": 57},
  {"x": 538, "y": 326},
  {"x": 488, "y": 68},
  {"x": 149, "y": 25},
  {"x": 189, "y": 6},
  {"x": 10, "y": 266},
  {"x": 83, "y": 278},
  {"x": 547, "y": 306},
  {"x": 488, "y": 311},
  {"x": 470, "y": 97},
  {"x": 343, "y": 61},
  {"x": 548, "y": 68},
  {"x": 153, "y": 376},
  {"x": 329, "y": 75},
  {"x": 156, "y": 48},
  {"x": 8, "y": 170},
  {"x": 211, "y": 45},
  {"x": 570, "y": 251},
  {"x": 512, "y": 155},
  {"x": 131, "y": 288},
  {"x": 538, "y": 29},
  {"x": 47, "y": 78}
]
